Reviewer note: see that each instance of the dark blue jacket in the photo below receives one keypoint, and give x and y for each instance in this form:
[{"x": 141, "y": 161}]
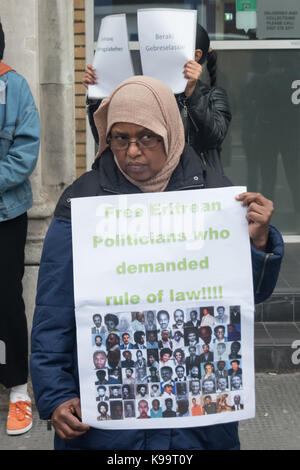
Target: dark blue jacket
[{"x": 54, "y": 370}]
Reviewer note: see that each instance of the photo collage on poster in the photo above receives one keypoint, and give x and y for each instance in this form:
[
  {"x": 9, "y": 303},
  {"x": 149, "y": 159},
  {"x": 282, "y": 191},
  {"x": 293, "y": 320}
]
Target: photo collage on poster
[{"x": 167, "y": 363}]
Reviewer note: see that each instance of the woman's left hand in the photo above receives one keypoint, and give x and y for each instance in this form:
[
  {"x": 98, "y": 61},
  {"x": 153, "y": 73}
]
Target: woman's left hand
[
  {"x": 90, "y": 76},
  {"x": 259, "y": 213},
  {"x": 192, "y": 71}
]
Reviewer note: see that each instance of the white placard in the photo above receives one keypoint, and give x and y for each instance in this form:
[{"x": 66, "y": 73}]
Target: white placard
[
  {"x": 112, "y": 57},
  {"x": 167, "y": 42},
  {"x": 143, "y": 263}
]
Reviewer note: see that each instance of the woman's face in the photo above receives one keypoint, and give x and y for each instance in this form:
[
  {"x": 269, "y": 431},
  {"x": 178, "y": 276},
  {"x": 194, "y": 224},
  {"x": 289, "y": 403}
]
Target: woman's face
[
  {"x": 178, "y": 356},
  {"x": 138, "y": 163},
  {"x": 112, "y": 340}
]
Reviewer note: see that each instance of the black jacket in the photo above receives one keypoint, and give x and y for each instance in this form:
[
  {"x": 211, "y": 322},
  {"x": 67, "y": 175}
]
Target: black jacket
[{"x": 206, "y": 116}]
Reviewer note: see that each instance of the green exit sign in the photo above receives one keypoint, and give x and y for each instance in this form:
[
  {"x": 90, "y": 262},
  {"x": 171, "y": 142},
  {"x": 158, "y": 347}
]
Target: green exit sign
[
  {"x": 228, "y": 16},
  {"x": 245, "y": 5}
]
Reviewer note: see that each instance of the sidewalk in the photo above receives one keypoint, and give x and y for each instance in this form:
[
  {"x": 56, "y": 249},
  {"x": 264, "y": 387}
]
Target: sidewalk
[{"x": 276, "y": 426}]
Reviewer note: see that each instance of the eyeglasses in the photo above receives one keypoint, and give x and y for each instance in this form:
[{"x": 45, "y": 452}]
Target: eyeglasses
[{"x": 121, "y": 142}]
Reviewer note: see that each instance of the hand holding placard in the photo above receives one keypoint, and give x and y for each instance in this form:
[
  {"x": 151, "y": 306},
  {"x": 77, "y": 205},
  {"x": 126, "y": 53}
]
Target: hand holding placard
[
  {"x": 167, "y": 47},
  {"x": 192, "y": 72}
]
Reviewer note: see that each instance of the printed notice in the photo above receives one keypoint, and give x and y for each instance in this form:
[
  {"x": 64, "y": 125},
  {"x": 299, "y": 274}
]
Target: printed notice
[
  {"x": 167, "y": 42},
  {"x": 112, "y": 57},
  {"x": 164, "y": 309},
  {"x": 278, "y": 20}
]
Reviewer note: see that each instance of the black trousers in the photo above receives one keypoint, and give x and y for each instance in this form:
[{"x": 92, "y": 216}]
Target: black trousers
[{"x": 13, "y": 323}]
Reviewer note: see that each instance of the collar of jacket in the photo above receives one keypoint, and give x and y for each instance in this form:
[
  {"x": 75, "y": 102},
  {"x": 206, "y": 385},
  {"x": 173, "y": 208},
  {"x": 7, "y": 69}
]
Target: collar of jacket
[{"x": 189, "y": 174}]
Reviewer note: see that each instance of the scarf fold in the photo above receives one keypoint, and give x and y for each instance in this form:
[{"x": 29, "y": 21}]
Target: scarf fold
[
  {"x": 147, "y": 102},
  {"x": 4, "y": 68}
]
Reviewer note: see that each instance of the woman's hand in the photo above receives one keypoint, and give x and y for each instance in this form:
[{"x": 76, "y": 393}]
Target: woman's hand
[
  {"x": 65, "y": 420},
  {"x": 192, "y": 71},
  {"x": 259, "y": 214},
  {"x": 90, "y": 76}
]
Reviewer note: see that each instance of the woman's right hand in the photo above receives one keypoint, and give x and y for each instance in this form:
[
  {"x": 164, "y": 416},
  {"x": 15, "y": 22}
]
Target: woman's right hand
[
  {"x": 90, "y": 76},
  {"x": 66, "y": 420}
]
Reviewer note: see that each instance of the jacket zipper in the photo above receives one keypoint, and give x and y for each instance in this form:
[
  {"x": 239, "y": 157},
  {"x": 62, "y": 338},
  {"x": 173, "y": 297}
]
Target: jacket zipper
[
  {"x": 185, "y": 111},
  {"x": 185, "y": 115},
  {"x": 188, "y": 114},
  {"x": 267, "y": 257},
  {"x": 203, "y": 158},
  {"x": 191, "y": 187},
  {"x": 194, "y": 124},
  {"x": 111, "y": 191}
]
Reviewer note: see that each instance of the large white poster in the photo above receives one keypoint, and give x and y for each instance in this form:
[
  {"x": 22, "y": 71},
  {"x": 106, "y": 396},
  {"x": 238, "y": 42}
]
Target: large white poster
[
  {"x": 164, "y": 309},
  {"x": 112, "y": 57},
  {"x": 167, "y": 42}
]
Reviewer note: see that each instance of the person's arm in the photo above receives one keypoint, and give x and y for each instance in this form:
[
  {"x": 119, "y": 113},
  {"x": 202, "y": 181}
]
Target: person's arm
[
  {"x": 53, "y": 338},
  {"x": 90, "y": 78},
  {"x": 192, "y": 71},
  {"x": 210, "y": 113},
  {"x": 91, "y": 107},
  {"x": 18, "y": 164},
  {"x": 267, "y": 247},
  {"x": 266, "y": 265}
]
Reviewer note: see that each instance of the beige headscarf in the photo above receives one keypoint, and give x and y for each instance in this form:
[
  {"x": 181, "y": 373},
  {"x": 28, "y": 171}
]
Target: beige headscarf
[{"x": 149, "y": 103}]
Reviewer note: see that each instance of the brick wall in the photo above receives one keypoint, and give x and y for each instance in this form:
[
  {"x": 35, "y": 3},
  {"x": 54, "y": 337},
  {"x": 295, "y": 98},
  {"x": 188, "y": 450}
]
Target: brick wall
[{"x": 80, "y": 95}]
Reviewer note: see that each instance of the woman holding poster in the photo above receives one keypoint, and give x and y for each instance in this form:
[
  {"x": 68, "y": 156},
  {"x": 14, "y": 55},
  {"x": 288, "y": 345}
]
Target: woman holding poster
[{"x": 142, "y": 150}]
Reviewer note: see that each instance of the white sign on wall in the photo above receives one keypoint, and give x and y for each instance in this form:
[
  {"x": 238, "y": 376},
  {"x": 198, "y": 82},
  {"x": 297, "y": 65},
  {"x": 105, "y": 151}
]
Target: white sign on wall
[{"x": 112, "y": 57}]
